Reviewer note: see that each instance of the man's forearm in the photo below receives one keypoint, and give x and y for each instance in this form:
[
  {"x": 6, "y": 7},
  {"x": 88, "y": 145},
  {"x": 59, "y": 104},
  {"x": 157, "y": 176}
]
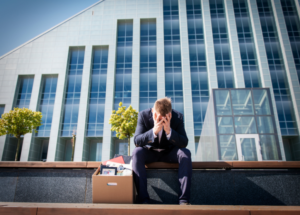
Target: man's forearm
[{"x": 143, "y": 139}]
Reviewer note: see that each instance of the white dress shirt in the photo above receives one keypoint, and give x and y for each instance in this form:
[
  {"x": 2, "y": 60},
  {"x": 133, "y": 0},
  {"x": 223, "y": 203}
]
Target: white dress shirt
[{"x": 159, "y": 137}]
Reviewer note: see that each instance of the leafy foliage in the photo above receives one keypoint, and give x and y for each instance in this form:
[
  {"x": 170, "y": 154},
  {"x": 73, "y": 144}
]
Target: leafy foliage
[
  {"x": 20, "y": 121},
  {"x": 124, "y": 122}
]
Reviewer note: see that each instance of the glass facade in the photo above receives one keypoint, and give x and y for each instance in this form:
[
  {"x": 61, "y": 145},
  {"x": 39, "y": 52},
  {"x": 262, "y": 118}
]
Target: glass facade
[
  {"x": 245, "y": 112},
  {"x": 46, "y": 105},
  {"x": 293, "y": 27},
  {"x": 246, "y": 42},
  {"x": 123, "y": 63},
  {"x": 173, "y": 74},
  {"x": 1, "y": 110},
  {"x": 97, "y": 92},
  {"x": 221, "y": 44},
  {"x": 22, "y": 99},
  {"x": 73, "y": 89},
  {"x": 148, "y": 60},
  {"x": 237, "y": 119},
  {"x": 280, "y": 84},
  {"x": 199, "y": 79}
]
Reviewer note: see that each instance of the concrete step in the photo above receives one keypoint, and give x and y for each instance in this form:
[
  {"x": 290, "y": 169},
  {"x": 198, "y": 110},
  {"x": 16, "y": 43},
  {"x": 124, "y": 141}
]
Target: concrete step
[{"x": 9, "y": 208}]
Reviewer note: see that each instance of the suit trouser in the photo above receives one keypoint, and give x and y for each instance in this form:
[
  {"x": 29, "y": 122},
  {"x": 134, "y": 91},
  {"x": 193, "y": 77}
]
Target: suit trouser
[{"x": 141, "y": 156}]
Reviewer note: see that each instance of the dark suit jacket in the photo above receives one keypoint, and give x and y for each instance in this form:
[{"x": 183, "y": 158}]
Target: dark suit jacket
[{"x": 144, "y": 132}]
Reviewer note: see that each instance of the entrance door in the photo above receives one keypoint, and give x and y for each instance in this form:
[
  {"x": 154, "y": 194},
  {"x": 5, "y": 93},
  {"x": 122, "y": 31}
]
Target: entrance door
[{"x": 248, "y": 147}]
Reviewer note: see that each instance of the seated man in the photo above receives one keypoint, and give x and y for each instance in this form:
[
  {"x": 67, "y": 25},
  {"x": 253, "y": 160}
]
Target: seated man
[{"x": 160, "y": 136}]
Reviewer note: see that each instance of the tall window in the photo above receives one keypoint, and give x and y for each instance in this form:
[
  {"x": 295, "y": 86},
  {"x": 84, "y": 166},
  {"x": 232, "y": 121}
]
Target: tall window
[
  {"x": 72, "y": 96},
  {"x": 173, "y": 76},
  {"x": 148, "y": 76},
  {"x": 247, "y": 47},
  {"x": 46, "y": 105},
  {"x": 97, "y": 92},
  {"x": 282, "y": 94},
  {"x": 293, "y": 27},
  {"x": 199, "y": 79},
  {"x": 221, "y": 44},
  {"x": 124, "y": 63},
  {"x": 1, "y": 110},
  {"x": 24, "y": 91}
]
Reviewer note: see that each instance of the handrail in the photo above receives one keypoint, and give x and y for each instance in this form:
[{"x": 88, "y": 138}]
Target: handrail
[{"x": 160, "y": 165}]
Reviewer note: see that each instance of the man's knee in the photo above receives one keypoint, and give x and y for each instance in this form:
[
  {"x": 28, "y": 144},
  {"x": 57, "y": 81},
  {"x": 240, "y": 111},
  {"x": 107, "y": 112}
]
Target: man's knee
[
  {"x": 184, "y": 153},
  {"x": 138, "y": 152}
]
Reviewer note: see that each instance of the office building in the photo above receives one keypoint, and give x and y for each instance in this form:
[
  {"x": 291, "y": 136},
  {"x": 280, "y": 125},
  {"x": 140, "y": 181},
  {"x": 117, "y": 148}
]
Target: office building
[{"x": 135, "y": 51}]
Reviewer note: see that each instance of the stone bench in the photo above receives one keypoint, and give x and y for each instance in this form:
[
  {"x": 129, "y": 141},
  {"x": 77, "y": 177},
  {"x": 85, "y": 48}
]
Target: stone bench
[
  {"x": 8, "y": 208},
  {"x": 213, "y": 183}
]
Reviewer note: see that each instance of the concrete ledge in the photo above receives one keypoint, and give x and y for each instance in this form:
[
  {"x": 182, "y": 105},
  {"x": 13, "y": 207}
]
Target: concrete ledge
[
  {"x": 161, "y": 165},
  {"x": 74, "y": 209}
]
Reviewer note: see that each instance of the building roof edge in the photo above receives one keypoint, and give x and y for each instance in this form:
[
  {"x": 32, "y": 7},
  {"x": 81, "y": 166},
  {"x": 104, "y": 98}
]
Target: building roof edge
[{"x": 45, "y": 32}]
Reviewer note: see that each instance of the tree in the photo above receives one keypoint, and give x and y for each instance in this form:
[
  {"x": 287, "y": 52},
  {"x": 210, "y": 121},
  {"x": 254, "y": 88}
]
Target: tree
[
  {"x": 18, "y": 122},
  {"x": 124, "y": 122}
]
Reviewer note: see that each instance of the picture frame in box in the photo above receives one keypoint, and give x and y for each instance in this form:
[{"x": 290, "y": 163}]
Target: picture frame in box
[{"x": 106, "y": 170}]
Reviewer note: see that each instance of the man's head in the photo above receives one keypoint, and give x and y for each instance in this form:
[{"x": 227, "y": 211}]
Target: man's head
[{"x": 162, "y": 107}]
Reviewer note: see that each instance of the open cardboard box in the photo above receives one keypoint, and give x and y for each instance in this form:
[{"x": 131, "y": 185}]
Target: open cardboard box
[{"x": 113, "y": 189}]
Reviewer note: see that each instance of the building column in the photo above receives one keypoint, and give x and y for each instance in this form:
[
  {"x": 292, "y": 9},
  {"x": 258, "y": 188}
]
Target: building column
[
  {"x": 263, "y": 63},
  {"x": 33, "y": 106},
  {"x": 83, "y": 106},
  {"x": 234, "y": 45},
  {"x": 57, "y": 110},
  {"x": 135, "y": 75},
  {"x": 160, "y": 50},
  {"x": 186, "y": 78},
  {"x": 209, "y": 46},
  {"x": 107, "y": 143},
  {"x": 290, "y": 67}
]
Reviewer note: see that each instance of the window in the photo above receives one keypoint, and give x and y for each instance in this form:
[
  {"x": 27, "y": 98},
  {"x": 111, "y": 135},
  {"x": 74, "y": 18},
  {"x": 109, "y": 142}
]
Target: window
[{"x": 73, "y": 89}]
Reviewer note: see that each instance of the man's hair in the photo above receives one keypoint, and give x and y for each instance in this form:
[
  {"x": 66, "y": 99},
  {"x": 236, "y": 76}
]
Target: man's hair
[{"x": 163, "y": 106}]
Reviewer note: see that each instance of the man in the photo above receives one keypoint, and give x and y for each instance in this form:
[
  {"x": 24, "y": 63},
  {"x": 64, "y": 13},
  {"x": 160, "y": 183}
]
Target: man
[{"x": 160, "y": 136}]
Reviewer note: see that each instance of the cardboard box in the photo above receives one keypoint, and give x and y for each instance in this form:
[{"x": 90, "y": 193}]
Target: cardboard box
[{"x": 113, "y": 189}]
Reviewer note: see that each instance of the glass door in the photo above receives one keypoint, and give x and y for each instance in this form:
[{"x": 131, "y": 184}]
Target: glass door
[{"x": 248, "y": 147}]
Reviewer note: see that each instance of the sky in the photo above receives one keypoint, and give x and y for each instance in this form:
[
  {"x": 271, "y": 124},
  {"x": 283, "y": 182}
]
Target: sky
[{"x": 22, "y": 20}]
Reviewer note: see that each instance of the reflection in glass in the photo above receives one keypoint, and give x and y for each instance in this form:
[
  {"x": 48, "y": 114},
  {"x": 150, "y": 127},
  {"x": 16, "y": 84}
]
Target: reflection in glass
[
  {"x": 278, "y": 74},
  {"x": 72, "y": 96},
  {"x": 261, "y": 102},
  {"x": 46, "y": 105},
  {"x": 227, "y": 147},
  {"x": 68, "y": 149},
  {"x": 148, "y": 77},
  {"x": 123, "y": 64},
  {"x": 242, "y": 102},
  {"x": 95, "y": 152},
  {"x": 199, "y": 79},
  {"x": 223, "y": 105},
  {"x": 248, "y": 149},
  {"x": 269, "y": 148},
  {"x": 265, "y": 124},
  {"x": 97, "y": 92},
  {"x": 173, "y": 74},
  {"x": 245, "y": 125},
  {"x": 225, "y": 125}
]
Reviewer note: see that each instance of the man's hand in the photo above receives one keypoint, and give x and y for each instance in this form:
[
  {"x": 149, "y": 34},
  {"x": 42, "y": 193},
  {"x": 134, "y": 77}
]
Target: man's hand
[
  {"x": 158, "y": 124},
  {"x": 166, "y": 123}
]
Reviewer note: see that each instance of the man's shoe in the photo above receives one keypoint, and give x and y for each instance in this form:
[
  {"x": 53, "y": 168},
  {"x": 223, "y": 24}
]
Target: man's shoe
[{"x": 184, "y": 203}]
